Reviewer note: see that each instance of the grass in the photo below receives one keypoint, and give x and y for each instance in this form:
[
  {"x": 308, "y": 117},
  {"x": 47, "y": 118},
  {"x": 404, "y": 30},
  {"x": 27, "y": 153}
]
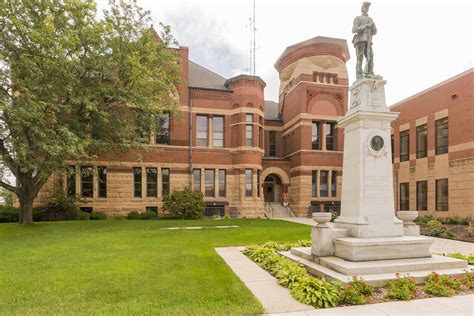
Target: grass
[{"x": 129, "y": 267}]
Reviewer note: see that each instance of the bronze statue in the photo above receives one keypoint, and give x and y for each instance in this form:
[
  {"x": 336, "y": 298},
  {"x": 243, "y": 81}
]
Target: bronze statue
[{"x": 364, "y": 28}]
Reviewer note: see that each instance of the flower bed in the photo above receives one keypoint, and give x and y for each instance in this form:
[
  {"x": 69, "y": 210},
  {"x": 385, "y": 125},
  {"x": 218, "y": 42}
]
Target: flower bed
[{"x": 322, "y": 294}]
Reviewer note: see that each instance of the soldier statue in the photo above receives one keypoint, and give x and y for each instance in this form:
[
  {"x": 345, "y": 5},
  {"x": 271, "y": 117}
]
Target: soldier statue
[{"x": 364, "y": 28}]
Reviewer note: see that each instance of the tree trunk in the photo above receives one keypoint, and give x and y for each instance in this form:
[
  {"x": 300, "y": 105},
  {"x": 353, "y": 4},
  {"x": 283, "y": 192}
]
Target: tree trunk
[{"x": 26, "y": 210}]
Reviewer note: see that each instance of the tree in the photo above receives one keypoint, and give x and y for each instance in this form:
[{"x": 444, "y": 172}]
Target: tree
[{"x": 73, "y": 86}]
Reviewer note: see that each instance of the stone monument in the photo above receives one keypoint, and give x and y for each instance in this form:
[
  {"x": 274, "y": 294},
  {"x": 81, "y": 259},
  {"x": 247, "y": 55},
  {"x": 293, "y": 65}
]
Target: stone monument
[{"x": 367, "y": 238}]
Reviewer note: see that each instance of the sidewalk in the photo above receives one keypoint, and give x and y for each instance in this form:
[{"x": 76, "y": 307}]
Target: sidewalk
[
  {"x": 277, "y": 300},
  {"x": 439, "y": 246}
]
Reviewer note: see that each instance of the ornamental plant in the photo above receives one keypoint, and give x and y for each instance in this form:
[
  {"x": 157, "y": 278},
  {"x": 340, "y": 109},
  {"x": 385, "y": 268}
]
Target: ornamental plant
[
  {"x": 185, "y": 204},
  {"x": 402, "y": 288},
  {"x": 441, "y": 285},
  {"x": 356, "y": 291}
]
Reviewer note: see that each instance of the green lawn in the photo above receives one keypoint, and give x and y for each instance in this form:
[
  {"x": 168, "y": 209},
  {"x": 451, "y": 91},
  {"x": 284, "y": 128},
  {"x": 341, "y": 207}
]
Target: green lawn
[{"x": 128, "y": 267}]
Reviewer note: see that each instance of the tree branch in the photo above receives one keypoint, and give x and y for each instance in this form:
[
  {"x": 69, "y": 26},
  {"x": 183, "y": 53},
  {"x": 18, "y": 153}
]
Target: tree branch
[{"x": 9, "y": 187}]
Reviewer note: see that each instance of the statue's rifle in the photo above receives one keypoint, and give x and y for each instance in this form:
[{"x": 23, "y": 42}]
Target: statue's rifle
[{"x": 369, "y": 49}]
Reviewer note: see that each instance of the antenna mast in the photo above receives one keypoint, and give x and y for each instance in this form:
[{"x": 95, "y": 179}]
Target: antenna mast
[{"x": 253, "y": 29}]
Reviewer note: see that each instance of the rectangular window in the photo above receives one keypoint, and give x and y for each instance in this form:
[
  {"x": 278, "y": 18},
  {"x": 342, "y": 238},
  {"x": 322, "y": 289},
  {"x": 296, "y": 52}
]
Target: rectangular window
[
  {"x": 248, "y": 182},
  {"x": 197, "y": 180},
  {"x": 314, "y": 179},
  {"x": 442, "y": 194},
  {"x": 323, "y": 183},
  {"x": 222, "y": 183},
  {"x": 260, "y": 137},
  {"x": 71, "y": 181},
  {"x": 201, "y": 131},
  {"x": 142, "y": 126},
  {"x": 421, "y": 141},
  {"x": 137, "y": 182},
  {"x": 249, "y": 135},
  {"x": 102, "y": 177},
  {"x": 315, "y": 139},
  {"x": 86, "y": 181},
  {"x": 249, "y": 118},
  {"x": 163, "y": 128},
  {"x": 421, "y": 195},
  {"x": 329, "y": 127},
  {"x": 392, "y": 146},
  {"x": 218, "y": 131},
  {"x": 272, "y": 144},
  {"x": 165, "y": 181},
  {"x": 404, "y": 146},
  {"x": 258, "y": 183},
  {"x": 442, "y": 136},
  {"x": 210, "y": 185},
  {"x": 333, "y": 183},
  {"x": 151, "y": 182},
  {"x": 404, "y": 196}
]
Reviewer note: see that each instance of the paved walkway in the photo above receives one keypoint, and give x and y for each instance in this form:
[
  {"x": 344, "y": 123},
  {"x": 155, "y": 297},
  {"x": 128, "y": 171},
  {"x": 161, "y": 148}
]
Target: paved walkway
[
  {"x": 277, "y": 300},
  {"x": 439, "y": 246}
]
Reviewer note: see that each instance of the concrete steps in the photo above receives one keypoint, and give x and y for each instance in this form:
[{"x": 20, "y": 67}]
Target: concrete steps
[
  {"x": 276, "y": 210},
  {"x": 379, "y": 272}
]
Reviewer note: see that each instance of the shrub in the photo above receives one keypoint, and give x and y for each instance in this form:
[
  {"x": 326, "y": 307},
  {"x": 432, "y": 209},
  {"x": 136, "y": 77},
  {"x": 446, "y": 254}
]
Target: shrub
[
  {"x": 467, "y": 280},
  {"x": 434, "y": 227},
  {"x": 402, "y": 288},
  {"x": 289, "y": 273},
  {"x": 9, "y": 214},
  {"x": 148, "y": 215},
  {"x": 351, "y": 296},
  {"x": 185, "y": 204},
  {"x": 441, "y": 285},
  {"x": 98, "y": 216},
  {"x": 226, "y": 216},
  {"x": 60, "y": 207},
  {"x": 316, "y": 292},
  {"x": 356, "y": 291},
  {"x": 215, "y": 216},
  {"x": 134, "y": 215},
  {"x": 424, "y": 219}
]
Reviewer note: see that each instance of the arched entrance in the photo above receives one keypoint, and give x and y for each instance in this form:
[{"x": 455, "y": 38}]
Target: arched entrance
[{"x": 272, "y": 188}]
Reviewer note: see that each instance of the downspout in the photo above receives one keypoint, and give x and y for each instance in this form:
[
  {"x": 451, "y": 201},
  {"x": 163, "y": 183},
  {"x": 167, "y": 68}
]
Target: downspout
[{"x": 190, "y": 102}]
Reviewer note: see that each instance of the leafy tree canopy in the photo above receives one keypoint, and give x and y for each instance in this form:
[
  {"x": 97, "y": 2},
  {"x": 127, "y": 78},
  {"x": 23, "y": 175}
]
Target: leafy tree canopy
[{"x": 74, "y": 85}]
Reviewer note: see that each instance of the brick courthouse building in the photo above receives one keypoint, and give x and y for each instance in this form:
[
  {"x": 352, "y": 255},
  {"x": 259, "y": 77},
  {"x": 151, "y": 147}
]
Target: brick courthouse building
[{"x": 251, "y": 157}]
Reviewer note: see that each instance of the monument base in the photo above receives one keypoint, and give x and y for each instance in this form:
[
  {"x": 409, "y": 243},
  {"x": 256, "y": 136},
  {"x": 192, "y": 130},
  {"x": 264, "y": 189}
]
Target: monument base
[
  {"x": 376, "y": 272},
  {"x": 382, "y": 248}
]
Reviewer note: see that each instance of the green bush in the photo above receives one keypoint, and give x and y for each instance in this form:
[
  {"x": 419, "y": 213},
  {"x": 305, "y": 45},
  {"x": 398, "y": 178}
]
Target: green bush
[
  {"x": 83, "y": 216},
  {"x": 134, "y": 215},
  {"x": 149, "y": 215},
  {"x": 98, "y": 216},
  {"x": 9, "y": 214},
  {"x": 349, "y": 295},
  {"x": 441, "y": 285},
  {"x": 467, "y": 280},
  {"x": 434, "y": 228},
  {"x": 355, "y": 292},
  {"x": 424, "y": 219},
  {"x": 289, "y": 273},
  {"x": 403, "y": 288},
  {"x": 316, "y": 292},
  {"x": 185, "y": 204},
  {"x": 306, "y": 289}
]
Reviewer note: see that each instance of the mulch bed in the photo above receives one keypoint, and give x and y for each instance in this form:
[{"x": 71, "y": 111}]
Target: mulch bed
[{"x": 461, "y": 232}]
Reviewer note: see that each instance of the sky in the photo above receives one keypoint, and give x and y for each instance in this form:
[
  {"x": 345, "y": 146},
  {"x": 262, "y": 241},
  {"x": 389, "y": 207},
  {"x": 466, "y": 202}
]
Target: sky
[{"x": 418, "y": 44}]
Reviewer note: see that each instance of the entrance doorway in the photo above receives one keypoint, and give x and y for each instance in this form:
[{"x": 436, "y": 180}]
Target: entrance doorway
[{"x": 272, "y": 188}]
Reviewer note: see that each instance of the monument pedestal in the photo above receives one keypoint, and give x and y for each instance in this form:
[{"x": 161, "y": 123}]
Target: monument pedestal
[{"x": 368, "y": 239}]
